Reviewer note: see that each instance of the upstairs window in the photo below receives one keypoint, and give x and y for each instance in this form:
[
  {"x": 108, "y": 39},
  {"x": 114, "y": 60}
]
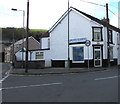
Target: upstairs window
[
  {"x": 110, "y": 36},
  {"x": 97, "y": 34}
]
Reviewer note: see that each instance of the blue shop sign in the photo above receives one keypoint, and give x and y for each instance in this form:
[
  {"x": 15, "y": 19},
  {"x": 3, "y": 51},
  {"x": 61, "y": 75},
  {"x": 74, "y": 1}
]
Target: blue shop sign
[{"x": 77, "y": 40}]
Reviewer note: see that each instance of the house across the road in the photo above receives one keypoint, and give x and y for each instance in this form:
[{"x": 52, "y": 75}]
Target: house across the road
[
  {"x": 19, "y": 49},
  {"x": 82, "y": 27},
  {"x": 119, "y": 35}
]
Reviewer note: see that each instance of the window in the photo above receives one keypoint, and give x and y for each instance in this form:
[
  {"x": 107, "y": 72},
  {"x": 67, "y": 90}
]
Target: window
[
  {"x": 110, "y": 36},
  {"x": 78, "y": 54},
  {"x": 118, "y": 39},
  {"x": 111, "y": 53},
  {"x": 48, "y": 43},
  {"x": 39, "y": 55},
  {"x": 97, "y": 33}
]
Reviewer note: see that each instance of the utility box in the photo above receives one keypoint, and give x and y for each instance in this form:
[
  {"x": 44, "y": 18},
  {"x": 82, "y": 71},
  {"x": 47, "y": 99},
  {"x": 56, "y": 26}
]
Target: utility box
[
  {"x": 48, "y": 63},
  {"x": 66, "y": 63}
]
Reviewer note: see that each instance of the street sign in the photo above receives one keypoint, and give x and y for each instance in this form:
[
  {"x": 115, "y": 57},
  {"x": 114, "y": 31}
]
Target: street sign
[
  {"x": 77, "y": 40},
  {"x": 87, "y": 43}
]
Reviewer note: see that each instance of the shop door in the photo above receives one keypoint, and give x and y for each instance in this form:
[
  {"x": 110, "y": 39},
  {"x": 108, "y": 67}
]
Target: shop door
[{"x": 97, "y": 56}]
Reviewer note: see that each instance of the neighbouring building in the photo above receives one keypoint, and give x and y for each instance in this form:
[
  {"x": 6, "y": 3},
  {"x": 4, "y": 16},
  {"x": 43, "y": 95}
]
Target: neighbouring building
[
  {"x": 17, "y": 50},
  {"x": 82, "y": 27},
  {"x": 2, "y": 47},
  {"x": 119, "y": 33}
]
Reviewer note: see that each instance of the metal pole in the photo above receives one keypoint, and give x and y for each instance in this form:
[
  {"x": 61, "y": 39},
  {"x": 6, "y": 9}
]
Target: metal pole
[
  {"x": 68, "y": 39},
  {"x": 23, "y": 18},
  {"x": 108, "y": 34},
  {"x": 26, "y": 64},
  {"x": 23, "y": 32},
  {"x": 13, "y": 55},
  {"x": 88, "y": 57},
  {"x": 23, "y": 39}
]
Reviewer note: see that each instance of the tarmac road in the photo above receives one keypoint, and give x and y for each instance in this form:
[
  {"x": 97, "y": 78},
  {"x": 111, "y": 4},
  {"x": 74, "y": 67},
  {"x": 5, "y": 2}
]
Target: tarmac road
[
  {"x": 5, "y": 68},
  {"x": 80, "y": 87}
]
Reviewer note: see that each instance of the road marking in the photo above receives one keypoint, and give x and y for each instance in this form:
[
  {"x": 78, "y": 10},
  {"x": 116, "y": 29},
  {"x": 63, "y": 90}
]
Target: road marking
[
  {"x": 49, "y": 84},
  {"x": 4, "y": 78},
  {"x": 7, "y": 75},
  {"x": 107, "y": 78}
]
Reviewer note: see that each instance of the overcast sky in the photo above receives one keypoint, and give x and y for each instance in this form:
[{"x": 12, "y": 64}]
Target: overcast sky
[{"x": 44, "y": 13}]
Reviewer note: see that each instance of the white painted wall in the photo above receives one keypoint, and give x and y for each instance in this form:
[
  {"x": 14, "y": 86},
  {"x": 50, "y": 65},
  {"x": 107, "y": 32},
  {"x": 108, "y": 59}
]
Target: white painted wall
[
  {"x": 119, "y": 34},
  {"x": 115, "y": 45},
  {"x": 118, "y": 48},
  {"x": 46, "y": 55},
  {"x": 32, "y": 55},
  {"x": 80, "y": 27},
  {"x": 58, "y": 41},
  {"x": 44, "y": 43},
  {"x": 105, "y": 46}
]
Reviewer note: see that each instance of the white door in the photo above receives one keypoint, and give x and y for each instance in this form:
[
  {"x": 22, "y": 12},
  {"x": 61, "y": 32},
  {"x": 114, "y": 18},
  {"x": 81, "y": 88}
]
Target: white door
[{"x": 97, "y": 56}]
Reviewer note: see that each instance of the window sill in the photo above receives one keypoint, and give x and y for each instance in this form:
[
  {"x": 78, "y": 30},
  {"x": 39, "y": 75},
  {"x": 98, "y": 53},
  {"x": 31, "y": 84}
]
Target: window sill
[
  {"x": 77, "y": 61},
  {"x": 97, "y": 40}
]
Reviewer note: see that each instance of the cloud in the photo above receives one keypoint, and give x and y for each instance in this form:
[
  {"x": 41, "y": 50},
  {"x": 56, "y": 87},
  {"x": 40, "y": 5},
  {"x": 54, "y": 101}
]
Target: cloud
[
  {"x": 44, "y": 13},
  {"x": 98, "y": 11},
  {"x": 114, "y": 20}
]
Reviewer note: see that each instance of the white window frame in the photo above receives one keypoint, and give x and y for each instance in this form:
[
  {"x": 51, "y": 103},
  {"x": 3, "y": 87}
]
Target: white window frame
[
  {"x": 97, "y": 30},
  {"x": 98, "y": 48},
  {"x": 83, "y": 55},
  {"x": 110, "y": 36},
  {"x": 39, "y": 53}
]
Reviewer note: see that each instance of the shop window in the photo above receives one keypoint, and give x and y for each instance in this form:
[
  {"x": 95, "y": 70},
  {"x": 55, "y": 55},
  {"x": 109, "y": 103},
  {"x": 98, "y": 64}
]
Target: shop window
[
  {"x": 97, "y": 34},
  {"x": 39, "y": 55},
  {"x": 78, "y": 54},
  {"x": 111, "y": 53}
]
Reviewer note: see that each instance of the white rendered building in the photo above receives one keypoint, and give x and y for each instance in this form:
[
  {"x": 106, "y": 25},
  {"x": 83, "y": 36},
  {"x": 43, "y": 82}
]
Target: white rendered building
[{"x": 82, "y": 27}]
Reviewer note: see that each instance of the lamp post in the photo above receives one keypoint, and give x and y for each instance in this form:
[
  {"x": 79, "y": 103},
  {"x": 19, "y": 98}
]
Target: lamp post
[
  {"x": 107, "y": 23},
  {"x": 23, "y": 14},
  {"x": 68, "y": 63},
  {"x": 27, "y": 34},
  {"x": 23, "y": 30}
]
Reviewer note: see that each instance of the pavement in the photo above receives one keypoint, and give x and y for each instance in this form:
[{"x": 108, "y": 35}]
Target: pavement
[{"x": 47, "y": 71}]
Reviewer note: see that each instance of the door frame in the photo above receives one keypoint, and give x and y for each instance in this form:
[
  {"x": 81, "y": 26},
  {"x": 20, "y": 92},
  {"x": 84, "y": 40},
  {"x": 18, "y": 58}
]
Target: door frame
[{"x": 98, "y": 48}]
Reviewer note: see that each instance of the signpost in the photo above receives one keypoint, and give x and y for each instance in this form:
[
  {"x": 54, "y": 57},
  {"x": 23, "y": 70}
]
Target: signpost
[{"x": 88, "y": 44}]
